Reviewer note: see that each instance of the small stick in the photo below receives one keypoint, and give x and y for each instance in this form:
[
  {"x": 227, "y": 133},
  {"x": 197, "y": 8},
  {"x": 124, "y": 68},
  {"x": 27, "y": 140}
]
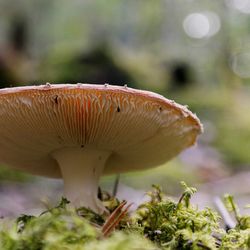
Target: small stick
[
  {"x": 229, "y": 222},
  {"x": 116, "y": 221},
  {"x": 113, "y": 215},
  {"x": 116, "y": 185}
]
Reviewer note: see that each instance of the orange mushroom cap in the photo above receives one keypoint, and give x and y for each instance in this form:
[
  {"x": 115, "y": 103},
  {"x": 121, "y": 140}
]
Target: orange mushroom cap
[
  {"x": 141, "y": 129},
  {"x": 138, "y": 129}
]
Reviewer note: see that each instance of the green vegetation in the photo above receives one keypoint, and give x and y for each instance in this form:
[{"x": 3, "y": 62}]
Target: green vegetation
[
  {"x": 160, "y": 223},
  {"x": 7, "y": 174}
]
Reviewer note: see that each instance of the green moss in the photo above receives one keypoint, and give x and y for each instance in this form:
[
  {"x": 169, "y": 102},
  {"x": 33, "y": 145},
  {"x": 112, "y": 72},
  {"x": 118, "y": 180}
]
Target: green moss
[
  {"x": 177, "y": 225},
  {"x": 7, "y": 174},
  {"x": 58, "y": 227},
  {"x": 122, "y": 241},
  {"x": 160, "y": 223}
]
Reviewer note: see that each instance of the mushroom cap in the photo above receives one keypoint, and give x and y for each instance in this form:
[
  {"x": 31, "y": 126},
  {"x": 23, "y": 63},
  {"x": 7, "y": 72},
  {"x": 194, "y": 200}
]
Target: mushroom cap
[{"x": 139, "y": 128}]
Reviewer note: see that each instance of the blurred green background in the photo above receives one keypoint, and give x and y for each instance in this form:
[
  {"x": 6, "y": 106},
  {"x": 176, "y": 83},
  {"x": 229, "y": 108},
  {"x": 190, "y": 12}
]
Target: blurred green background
[{"x": 195, "y": 52}]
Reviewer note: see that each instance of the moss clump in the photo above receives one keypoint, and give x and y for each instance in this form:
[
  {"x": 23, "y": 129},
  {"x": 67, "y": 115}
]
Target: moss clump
[
  {"x": 59, "y": 227},
  {"x": 122, "y": 241},
  {"x": 66, "y": 229},
  {"x": 177, "y": 225},
  {"x": 160, "y": 223}
]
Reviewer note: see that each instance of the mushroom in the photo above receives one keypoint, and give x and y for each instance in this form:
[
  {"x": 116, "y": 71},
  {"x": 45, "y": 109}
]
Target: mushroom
[{"x": 79, "y": 132}]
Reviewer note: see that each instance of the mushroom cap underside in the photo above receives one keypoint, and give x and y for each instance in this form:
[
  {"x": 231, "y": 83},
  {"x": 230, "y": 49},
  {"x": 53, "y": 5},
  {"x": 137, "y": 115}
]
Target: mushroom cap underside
[{"x": 139, "y": 128}]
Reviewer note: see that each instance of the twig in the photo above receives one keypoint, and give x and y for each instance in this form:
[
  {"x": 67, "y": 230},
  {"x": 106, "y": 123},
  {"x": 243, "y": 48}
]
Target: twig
[
  {"x": 116, "y": 185},
  {"x": 114, "y": 214},
  {"x": 229, "y": 222},
  {"x": 114, "y": 219}
]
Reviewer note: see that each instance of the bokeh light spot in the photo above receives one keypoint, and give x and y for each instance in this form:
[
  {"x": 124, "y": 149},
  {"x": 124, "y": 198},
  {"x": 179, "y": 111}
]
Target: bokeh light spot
[
  {"x": 240, "y": 64},
  {"x": 240, "y": 5},
  {"x": 201, "y": 25}
]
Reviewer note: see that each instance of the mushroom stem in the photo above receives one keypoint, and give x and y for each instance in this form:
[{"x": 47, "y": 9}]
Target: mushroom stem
[{"x": 81, "y": 170}]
